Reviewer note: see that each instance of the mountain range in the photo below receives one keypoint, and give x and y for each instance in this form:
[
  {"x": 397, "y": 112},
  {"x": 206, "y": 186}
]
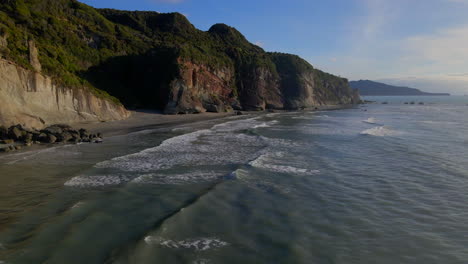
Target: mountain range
[{"x": 371, "y": 88}]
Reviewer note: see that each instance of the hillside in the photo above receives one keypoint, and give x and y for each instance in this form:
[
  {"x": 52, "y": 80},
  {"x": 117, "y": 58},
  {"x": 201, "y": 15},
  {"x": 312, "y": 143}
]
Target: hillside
[
  {"x": 160, "y": 61},
  {"x": 370, "y": 88}
]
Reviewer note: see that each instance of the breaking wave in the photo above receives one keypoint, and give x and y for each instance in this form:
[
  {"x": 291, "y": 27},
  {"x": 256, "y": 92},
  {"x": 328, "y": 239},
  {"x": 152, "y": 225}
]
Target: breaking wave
[
  {"x": 381, "y": 131},
  {"x": 196, "y": 244}
]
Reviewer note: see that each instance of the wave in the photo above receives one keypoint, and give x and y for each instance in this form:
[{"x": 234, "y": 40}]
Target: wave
[
  {"x": 182, "y": 178},
  {"x": 371, "y": 120},
  {"x": 196, "y": 244},
  {"x": 220, "y": 145},
  {"x": 381, "y": 131},
  {"x": 265, "y": 162},
  {"x": 96, "y": 181},
  {"x": 266, "y": 124}
]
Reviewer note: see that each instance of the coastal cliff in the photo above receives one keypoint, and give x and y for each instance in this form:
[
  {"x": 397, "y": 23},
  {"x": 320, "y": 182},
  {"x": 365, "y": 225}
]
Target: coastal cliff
[
  {"x": 90, "y": 59},
  {"x": 32, "y": 99}
]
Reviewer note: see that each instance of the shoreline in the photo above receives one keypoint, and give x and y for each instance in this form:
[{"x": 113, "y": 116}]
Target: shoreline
[
  {"x": 146, "y": 119},
  {"x": 152, "y": 119}
]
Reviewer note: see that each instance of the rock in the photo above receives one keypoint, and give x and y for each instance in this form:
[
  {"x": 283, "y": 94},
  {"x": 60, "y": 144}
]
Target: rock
[
  {"x": 18, "y": 147},
  {"x": 4, "y": 149},
  {"x": 42, "y": 137},
  {"x": 64, "y": 137},
  {"x": 83, "y": 133},
  {"x": 54, "y": 130},
  {"x": 11, "y": 147},
  {"x": 421, "y": 103},
  {"x": 3, "y": 132},
  {"x": 15, "y": 132},
  {"x": 28, "y": 144},
  {"x": 99, "y": 135},
  {"x": 7, "y": 141},
  {"x": 51, "y": 139},
  {"x": 412, "y": 103},
  {"x": 239, "y": 113},
  {"x": 98, "y": 140},
  {"x": 385, "y": 103},
  {"x": 28, "y": 138}
]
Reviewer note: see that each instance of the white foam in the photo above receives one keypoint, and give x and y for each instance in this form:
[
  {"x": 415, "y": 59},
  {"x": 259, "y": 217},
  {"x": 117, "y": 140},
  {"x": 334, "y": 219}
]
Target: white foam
[
  {"x": 77, "y": 205},
  {"x": 304, "y": 117},
  {"x": 198, "y": 244},
  {"x": 370, "y": 120},
  {"x": 265, "y": 124},
  {"x": 96, "y": 181},
  {"x": 183, "y": 178},
  {"x": 216, "y": 146},
  {"x": 265, "y": 162},
  {"x": 381, "y": 131},
  {"x": 203, "y": 147}
]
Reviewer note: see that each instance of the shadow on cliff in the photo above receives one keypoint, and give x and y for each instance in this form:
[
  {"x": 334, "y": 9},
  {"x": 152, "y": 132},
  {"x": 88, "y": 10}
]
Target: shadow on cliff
[{"x": 138, "y": 81}]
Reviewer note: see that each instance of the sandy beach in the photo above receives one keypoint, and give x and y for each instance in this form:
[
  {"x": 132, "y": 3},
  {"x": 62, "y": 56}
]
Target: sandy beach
[{"x": 146, "y": 119}]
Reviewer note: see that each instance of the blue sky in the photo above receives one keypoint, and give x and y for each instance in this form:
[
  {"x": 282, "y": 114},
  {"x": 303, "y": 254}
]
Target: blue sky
[{"x": 422, "y": 43}]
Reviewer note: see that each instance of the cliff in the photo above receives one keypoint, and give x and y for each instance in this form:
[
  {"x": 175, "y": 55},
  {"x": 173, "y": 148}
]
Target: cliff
[
  {"x": 32, "y": 99},
  {"x": 152, "y": 60},
  {"x": 370, "y": 88}
]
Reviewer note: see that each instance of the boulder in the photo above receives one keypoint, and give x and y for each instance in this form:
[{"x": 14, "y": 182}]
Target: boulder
[
  {"x": 239, "y": 113},
  {"x": 83, "y": 133},
  {"x": 28, "y": 138},
  {"x": 54, "y": 130},
  {"x": 42, "y": 137},
  {"x": 51, "y": 139},
  {"x": 7, "y": 141},
  {"x": 4, "y": 149},
  {"x": 3, "y": 132},
  {"x": 64, "y": 137},
  {"x": 15, "y": 132}
]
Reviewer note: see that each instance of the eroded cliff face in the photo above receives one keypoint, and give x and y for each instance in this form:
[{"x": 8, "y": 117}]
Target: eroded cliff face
[
  {"x": 31, "y": 99},
  {"x": 199, "y": 88}
]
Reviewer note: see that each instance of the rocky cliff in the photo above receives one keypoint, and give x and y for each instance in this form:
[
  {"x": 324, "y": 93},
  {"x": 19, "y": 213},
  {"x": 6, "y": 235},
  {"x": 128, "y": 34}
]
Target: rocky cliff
[
  {"x": 150, "y": 60},
  {"x": 33, "y": 100}
]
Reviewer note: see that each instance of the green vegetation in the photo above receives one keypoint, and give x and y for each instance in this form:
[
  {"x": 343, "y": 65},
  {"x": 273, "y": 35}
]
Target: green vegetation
[{"x": 111, "y": 50}]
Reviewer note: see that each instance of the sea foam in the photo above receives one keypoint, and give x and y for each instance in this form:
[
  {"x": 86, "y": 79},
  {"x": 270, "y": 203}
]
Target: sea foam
[
  {"x": 197, "y": 244},
  {"x": 370, "y": 120},
  {"x": 381, "y": 131},
  {"x": 266, "y": 162}
]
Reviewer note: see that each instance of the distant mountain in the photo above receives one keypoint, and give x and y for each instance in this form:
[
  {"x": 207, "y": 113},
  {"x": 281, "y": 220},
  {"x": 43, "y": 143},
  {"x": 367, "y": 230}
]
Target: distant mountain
[{"x": 367, "y": 88}]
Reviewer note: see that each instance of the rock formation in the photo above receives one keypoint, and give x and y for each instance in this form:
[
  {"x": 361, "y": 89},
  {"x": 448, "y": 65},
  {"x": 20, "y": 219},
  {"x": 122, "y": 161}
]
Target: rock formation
[{"x": 60, "y": 57}]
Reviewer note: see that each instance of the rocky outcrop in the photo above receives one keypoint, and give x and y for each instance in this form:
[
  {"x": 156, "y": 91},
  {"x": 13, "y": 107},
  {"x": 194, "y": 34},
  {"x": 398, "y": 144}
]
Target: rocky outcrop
[
  {"x": 199, "y": 88},
  {"x": 33, "y": 100},
  {"x": 16, "y": 137}
]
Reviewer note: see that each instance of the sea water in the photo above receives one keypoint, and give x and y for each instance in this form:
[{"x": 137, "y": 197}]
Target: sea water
[{"x": 378, "y": 183}]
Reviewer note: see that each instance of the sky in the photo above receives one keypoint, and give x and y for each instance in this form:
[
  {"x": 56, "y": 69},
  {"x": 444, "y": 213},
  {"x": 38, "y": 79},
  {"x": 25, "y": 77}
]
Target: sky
[{"x": 418, "y": 43}]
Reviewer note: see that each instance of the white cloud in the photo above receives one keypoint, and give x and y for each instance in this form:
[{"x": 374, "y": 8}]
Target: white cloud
[{"x": 444, "y": 48}]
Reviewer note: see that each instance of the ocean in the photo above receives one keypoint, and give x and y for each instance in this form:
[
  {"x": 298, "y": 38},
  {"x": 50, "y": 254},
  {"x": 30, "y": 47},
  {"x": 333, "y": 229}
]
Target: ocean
[{"x": 378, "y": 183}]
